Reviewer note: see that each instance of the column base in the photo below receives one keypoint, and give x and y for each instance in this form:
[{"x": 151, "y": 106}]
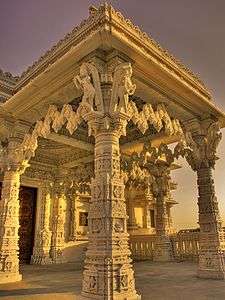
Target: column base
[
  {"x": 211, "y": 274},
  {"x": 115, "y": 297},
  {"x": 163, "y": 250},
  {"x": 57, "y": 257},
  {"x": 9, "y": 277},
  {"x": 41, "y": 260},
  {"x": 59, "y": 260}
]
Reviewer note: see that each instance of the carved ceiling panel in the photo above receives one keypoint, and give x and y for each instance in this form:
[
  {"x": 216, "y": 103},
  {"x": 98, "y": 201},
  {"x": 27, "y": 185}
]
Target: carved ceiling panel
[{"x": 54, "y": 153}]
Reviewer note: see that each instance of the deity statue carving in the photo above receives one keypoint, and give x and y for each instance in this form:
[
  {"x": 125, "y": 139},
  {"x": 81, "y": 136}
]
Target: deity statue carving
[
  {"x": 88, "y": 81},
  {"x": 122, "y": 88}
]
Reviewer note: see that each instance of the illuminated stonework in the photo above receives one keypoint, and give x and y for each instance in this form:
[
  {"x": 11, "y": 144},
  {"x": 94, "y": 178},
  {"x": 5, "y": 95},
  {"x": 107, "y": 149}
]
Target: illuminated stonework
[{"x": 88, "y": 126}]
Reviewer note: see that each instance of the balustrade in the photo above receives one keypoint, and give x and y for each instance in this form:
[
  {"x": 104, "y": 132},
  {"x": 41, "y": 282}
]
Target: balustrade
[{"x": 185, "y": 246}]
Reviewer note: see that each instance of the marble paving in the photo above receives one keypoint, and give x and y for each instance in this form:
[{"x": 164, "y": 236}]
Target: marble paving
[{"x": 156, "y": 281}]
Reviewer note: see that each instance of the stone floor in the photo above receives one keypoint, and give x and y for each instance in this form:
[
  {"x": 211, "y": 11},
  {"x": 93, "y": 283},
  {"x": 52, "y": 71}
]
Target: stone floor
[{"x": 158, "y": 281}]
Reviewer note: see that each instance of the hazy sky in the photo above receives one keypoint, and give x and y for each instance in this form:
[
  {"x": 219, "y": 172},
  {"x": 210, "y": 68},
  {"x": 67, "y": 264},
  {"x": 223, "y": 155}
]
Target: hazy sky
[{"x": 193, "y": 30}]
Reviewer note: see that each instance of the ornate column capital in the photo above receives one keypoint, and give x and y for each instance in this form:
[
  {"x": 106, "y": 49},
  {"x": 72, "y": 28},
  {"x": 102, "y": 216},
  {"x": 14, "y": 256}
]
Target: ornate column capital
[
  {"x": 98, "y": 123},
  {"x": 200, "y": 148},
  {"x": 11, "y": 158},
  {"x": 158, "y": 162}
]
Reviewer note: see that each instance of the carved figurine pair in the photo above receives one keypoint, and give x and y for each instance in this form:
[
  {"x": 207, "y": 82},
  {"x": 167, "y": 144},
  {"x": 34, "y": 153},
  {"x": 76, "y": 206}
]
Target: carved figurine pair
[{"x": 89, "y": 82}]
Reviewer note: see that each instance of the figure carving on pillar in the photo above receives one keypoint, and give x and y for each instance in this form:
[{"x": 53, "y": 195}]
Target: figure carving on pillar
[
  {"x": 122, "y": 87},
  {"x": 88, "y": 81},
  {"x": 199, "y": 149}
]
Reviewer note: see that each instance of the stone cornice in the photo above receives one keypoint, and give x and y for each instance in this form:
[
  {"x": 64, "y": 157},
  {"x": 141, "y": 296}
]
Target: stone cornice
[
  {"x": 8, "y": 78},
  {"x": 105, "y": 29},
  {"x": 78, "y": 34},
  {"x": 149, "y": 45},
  {"x": 107, "y": 18}
]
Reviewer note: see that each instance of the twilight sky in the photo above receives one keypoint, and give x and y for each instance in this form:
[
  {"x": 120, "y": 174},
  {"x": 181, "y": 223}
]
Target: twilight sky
[{"x": 193, "y": 31}]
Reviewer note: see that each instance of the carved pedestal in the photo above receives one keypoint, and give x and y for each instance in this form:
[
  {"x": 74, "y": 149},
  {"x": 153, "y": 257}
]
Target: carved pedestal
[
  {"x": 9, "y": 225},
  {"x": 108, "y": 272},
  {"x": 41, "y": 252},
  {"x": 212, "y": 246}
]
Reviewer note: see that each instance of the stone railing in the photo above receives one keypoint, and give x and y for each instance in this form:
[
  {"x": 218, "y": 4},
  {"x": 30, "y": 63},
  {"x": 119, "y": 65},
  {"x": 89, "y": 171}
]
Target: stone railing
[
  {"x": 142, "y": 247},
  {"x": 185, "y": 245}
]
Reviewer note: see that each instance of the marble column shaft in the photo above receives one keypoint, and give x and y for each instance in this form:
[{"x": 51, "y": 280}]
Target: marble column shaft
[
  {"x": 41, "y": 251},
  {"x": 58, "y": 223},
  {"x": 163, "y": 248},
  {"x": 211, "y": 254},
  {"x": 108, "y": 271}
]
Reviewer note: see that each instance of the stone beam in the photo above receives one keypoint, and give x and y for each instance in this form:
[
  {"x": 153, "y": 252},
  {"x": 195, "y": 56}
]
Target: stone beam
[
  {"x": 77, "y": 162},
  {"x": 156, "y": 140},
  {"x": 70, "y": 141}
]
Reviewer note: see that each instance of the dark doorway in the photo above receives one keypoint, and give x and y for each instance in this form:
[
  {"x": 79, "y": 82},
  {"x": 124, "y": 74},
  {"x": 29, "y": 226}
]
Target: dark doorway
[{"x": 28, "y": 199}]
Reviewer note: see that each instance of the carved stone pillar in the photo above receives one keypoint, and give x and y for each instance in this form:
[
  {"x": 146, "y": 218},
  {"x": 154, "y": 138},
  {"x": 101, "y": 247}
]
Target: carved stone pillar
[
  {"x": 106, "y": 107},
  {"x": 58, "y": 222},
  {"x": 41, "y": 251},
  {"x": 163, "y": 249},
  {"x": 73, "y": 198},
  {"x": 201, "y": 155},
  {"x": 169, "y": 217},
  {"x": 155, "y": 164},
  {"x": 131, "y": 214},
  {"x": 148, "y": 200},
  {"x": 211, "y": 256},
  {"x": 108, "y": 272},
  {"x": 13, "y": 168},
  {"x": 9, "y": 226}
]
